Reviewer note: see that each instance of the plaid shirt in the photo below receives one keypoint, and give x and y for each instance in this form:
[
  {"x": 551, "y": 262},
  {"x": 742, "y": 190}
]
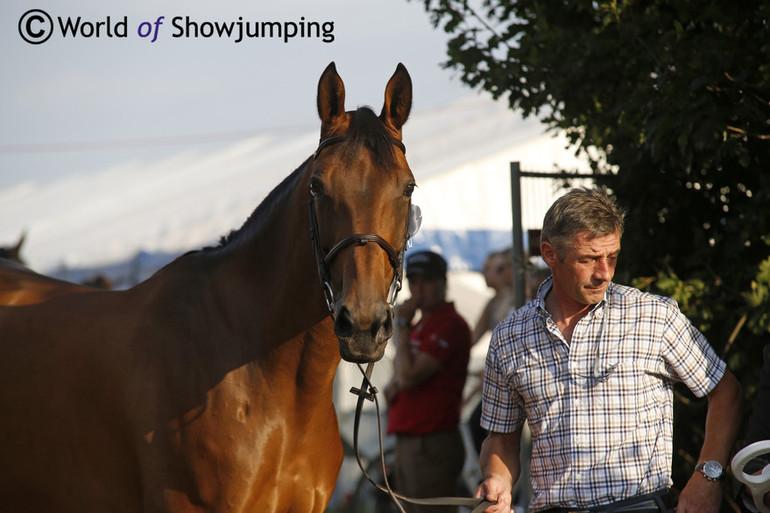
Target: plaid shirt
[{"x": 600, "y": 408}]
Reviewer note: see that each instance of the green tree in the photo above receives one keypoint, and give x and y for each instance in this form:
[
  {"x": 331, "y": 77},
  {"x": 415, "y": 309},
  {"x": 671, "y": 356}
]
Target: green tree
[{"x": 671, "y": 102}]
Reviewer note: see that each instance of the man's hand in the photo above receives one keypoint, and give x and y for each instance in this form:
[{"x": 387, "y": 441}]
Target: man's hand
[
  {"x": 700, "y": 496},
  {"x": 407, "y": 309},
  {"x": 495, "y": 490}
]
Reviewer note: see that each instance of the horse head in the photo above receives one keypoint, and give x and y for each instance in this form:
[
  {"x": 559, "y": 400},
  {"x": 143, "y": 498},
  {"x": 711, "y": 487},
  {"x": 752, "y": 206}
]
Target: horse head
[
  {"x": 360, "y": 189},
  {"x": 13, "y": 253}
]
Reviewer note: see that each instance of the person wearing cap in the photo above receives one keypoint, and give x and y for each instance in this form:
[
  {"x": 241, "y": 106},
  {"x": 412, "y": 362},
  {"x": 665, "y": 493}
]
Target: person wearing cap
[{"x": 432, "y": 351}]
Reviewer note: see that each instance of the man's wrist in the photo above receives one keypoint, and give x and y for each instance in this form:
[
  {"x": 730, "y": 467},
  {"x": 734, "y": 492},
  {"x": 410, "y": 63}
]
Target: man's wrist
[{"x": 711, "y": 470}]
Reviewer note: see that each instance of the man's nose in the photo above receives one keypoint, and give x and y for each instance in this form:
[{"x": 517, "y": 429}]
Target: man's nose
[{"x": 603, "y": 269}]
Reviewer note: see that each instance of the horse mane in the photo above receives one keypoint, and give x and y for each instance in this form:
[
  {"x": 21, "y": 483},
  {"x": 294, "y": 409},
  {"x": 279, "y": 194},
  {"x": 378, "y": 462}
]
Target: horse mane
[
  {"x": 262, "y": 211},
  {"x": 366, "y": 130}
]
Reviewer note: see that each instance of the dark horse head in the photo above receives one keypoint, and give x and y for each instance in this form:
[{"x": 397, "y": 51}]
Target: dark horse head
[
  {"x": 13, "y": 252},
  {"x": 361, "y": 187}
]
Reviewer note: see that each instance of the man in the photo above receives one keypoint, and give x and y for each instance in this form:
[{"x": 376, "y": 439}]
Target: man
[
  {"x": 591, "y": 366},
  {"x": 424, "y": 396}
]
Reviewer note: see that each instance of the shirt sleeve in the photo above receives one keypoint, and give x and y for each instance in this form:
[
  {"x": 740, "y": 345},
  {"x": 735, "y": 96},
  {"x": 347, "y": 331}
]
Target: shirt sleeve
[
  {"x": 436, "y": 345},
  {"x": 690, "y": 355},
  {"x": 502, "y": 410},
  {"x": 443, "y": 343}
]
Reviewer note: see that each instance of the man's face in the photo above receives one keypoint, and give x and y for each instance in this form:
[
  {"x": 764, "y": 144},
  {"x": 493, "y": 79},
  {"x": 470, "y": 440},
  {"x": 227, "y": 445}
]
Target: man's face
[
  {"x": 586, "y": 269},
  {"x": 428, "y": 293},
  {"x": 498, "y": 272},
  {"x": 490, "y": 271}
]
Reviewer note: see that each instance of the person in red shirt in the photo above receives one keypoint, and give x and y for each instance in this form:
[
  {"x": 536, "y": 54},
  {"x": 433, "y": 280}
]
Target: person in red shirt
[{"x": 425, "y": 394}]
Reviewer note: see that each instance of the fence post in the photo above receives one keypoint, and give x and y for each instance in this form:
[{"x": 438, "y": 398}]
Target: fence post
[{"x": 519, "y": 261}]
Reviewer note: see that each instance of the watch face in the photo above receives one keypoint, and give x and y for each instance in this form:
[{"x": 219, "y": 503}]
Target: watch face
[{"x": 712, "y": 469}]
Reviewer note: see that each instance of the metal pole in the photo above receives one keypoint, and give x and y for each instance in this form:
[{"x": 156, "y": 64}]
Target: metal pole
[{"x": 519, "y": 262}]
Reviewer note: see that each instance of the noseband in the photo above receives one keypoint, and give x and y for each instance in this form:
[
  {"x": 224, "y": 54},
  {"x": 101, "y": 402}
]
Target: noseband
[{"x": 325, "y": 258}]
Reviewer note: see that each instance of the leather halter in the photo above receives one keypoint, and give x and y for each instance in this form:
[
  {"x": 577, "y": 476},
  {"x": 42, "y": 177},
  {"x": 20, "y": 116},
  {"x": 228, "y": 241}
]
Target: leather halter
[{"x": 325, "y": 258}]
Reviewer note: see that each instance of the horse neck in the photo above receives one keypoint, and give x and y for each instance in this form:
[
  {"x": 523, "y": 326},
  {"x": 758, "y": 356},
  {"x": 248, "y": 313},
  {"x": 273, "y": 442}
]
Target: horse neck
[{"x": 270, "y": 281}]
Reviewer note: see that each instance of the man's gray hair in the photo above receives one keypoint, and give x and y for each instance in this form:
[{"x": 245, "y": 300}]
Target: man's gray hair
[{"x": 580, "y": 210}]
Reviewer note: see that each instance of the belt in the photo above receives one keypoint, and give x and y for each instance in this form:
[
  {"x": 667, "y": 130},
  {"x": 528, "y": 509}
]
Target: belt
[
  {"x": 649, "y": 506},
  {"x": 650, "y": 503}
]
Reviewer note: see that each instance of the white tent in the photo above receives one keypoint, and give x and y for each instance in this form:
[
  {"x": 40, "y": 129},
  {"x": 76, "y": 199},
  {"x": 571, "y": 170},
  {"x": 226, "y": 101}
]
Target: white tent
[{"x": 460, "y": 155}]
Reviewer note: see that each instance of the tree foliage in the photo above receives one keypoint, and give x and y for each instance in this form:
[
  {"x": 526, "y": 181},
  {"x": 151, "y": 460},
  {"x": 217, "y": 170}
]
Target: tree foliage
[{"x": 671, "y": 102}]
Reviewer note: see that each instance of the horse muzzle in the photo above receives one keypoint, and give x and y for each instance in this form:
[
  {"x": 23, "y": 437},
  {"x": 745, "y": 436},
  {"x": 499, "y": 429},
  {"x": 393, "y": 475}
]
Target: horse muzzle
[{"x": 363, "y": 338}]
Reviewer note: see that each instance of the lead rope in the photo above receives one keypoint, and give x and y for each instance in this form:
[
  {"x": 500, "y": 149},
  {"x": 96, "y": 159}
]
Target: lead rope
[{"x": 369, "y": 392}]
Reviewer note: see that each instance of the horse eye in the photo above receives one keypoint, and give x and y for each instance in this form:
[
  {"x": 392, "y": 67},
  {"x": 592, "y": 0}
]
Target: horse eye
[
  {"x": 316, "y": 187},
  {"x": 409, "y": 189}
]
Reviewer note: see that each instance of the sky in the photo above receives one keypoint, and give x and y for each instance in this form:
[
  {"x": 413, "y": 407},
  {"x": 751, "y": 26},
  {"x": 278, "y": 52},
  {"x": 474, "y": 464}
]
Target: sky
[{"x": 74, "y": 103}]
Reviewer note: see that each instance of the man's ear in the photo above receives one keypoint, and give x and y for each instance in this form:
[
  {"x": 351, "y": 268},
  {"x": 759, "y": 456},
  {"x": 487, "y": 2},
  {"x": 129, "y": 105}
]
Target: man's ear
[{"x": 548, "y": 252}]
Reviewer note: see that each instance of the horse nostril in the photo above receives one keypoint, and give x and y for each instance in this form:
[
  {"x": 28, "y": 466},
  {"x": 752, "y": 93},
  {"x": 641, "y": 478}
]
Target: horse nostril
[
  {"x": 343, "y": 324},
  {"x": 386, "y": 326}
]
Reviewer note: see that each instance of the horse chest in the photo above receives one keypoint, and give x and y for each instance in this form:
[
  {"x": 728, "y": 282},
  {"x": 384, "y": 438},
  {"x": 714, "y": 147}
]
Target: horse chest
[{"x": 253, "y": 448}]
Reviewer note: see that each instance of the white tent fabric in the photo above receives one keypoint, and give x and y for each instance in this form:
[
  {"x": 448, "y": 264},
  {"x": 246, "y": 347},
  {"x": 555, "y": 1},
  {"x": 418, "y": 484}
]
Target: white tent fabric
[{"x": 460, "y": 155}]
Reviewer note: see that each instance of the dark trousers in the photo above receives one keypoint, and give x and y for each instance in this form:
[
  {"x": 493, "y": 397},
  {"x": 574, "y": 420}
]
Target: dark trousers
[{"x": 429, "y": 466}]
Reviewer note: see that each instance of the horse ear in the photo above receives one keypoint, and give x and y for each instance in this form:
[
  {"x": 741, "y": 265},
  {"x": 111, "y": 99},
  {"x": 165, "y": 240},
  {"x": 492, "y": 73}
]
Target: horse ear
[
  {"x": 398, "y": 99},
  {"x": 21, "y": 241},
  {"x": 331, "y": 99}
]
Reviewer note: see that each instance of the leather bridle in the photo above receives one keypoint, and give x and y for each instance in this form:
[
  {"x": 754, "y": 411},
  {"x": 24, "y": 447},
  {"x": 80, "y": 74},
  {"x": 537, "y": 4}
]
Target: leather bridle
[
  {"x": 325, "y": 258},
  {"x": 368, "y": 391}
]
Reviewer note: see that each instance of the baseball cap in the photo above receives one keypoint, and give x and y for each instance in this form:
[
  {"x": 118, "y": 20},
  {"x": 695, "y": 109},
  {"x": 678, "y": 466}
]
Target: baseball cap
[{"x": 426, "y": 263}]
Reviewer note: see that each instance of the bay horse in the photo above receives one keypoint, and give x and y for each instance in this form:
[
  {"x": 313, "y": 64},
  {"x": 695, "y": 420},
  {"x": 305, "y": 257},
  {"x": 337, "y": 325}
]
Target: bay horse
[
  {"x": 21, "y": 286},
  {"x": 209, "y": 386}
]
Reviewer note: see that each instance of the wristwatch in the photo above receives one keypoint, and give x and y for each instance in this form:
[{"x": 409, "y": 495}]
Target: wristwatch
[{"x": 711, "y": 469}]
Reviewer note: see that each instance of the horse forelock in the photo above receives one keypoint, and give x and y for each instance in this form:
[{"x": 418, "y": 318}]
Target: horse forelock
[{"x": 367, "y": 131}]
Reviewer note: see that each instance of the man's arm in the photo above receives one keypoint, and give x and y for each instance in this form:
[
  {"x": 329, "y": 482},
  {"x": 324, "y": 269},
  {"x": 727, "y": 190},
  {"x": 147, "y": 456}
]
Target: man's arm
[
  {"x": 722, "y": 422},
  {"x": 501, "y": 467},
  {"x": 409, "y": 370}
]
